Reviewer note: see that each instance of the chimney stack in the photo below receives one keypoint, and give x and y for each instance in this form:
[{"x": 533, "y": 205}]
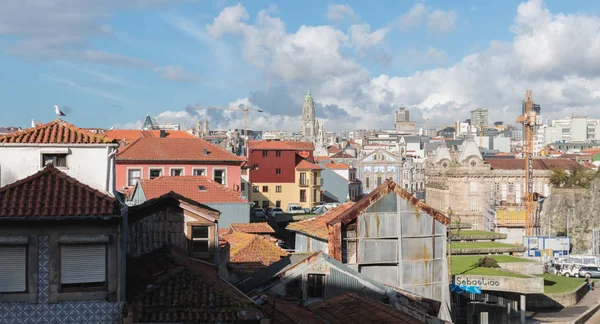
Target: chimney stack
[{"x": 163, "y": 133}]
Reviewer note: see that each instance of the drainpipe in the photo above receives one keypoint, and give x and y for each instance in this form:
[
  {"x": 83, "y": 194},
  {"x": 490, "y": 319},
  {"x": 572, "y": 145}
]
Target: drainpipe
[
  {"x": 110, "y": 171},
  {"x": 216, "y": 258},
  {"x": 124, "y": 240}
]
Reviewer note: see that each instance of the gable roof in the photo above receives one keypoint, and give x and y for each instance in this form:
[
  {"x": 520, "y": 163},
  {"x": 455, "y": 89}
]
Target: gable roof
[
  {"x": 351, "y": 308},
  {"x": 168, "y": 286},
  {"x": 386, "y": 188},
  {"x": 189, "y": 186},
  {"x": 280, "y": 145},
  {"x": 305, "y": 165},
  {"x": 251, "y": 251},
  {"x": 342, "y": 155},
  {"x": 317, "y": 226},
  {"x": 253, "y": 228},
  {"x": 337, "y": 166},
  {"x": 274, "y": 270},
  {"x": 538, "y": 164},
  {"x": 468, "y": 149},
  {"x": 175, "y": 149},
  {"x": 55, "y": 132},
  {"x": 51, "y": 192},
  {"x": 169, "y": 199},
  {"x": 133, "y": 134}
]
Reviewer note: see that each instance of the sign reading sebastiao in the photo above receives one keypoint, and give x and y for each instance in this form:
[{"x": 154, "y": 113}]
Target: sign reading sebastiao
[{"x": 482, "y": 282}]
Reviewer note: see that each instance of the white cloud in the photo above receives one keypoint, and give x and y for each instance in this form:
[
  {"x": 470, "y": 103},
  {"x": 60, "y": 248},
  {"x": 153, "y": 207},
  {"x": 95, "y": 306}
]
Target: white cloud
[
  {"x": 175, "y": 73},
  {"x": 441, "y": 21},
  {"x": 438, "y": 21},
  {"x": 362, "y": 38},
  {"x": 340, "y": 12},
  {"x": 88, "y": 89},
  {"x": 539, "y": 57}
]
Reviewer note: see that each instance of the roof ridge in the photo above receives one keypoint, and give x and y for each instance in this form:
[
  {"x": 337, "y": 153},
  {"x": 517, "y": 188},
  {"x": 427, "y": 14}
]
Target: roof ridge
[{"x": 128, "y": 146}]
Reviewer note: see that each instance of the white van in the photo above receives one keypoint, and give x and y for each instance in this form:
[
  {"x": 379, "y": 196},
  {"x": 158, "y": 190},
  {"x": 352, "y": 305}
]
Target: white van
[{"x": 294, "y": 209}]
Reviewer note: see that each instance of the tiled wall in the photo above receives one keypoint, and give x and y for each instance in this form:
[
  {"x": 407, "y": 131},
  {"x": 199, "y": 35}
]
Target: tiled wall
[{"x": 96, "y": 311}]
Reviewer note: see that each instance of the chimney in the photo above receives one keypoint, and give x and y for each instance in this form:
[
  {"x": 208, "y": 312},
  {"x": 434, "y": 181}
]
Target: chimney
[
  {"x": 163, "y": 133},
  {"x": 205, "y": 152}
]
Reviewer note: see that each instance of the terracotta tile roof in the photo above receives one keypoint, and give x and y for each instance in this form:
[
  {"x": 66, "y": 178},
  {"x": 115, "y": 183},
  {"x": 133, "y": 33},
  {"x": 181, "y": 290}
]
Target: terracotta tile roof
[
  {"x": 175, "y": 149},
  {"x": 55, "y": 132},
  {"x": 342, "y": 155},
  {"x": 133, "y": 134},
  {"x": 505, "y": 154},
  {"x": 333, "y": 149},
  {"x": 251, "y": 252},
  {"x": 317, "y": 227},
  {"x": 189, "y": 186},
  {"x": 253, "y": 228},
  {"x": 305, "y": 165},
  {"x": 51, "y": 192},
  {"x": 280, "y": 145},
  {"x": 168, "y": 286},
  {"x": 288, "y": 312},
  {"x": 538, "y": 164},
  {"x": 168, "y": 200},
  {"x": 322, "y": 158},
  {"x": 337, "y": 166},
  {"x": 350, "y": 308}
]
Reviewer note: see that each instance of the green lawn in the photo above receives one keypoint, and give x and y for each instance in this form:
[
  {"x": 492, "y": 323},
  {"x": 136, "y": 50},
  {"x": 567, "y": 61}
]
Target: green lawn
[
  {"x": 560, "y": 284},
  {"x": 465, "y": 265},
  {"x": 480, "y": 245},
  {"x": 474, "y": 232}
]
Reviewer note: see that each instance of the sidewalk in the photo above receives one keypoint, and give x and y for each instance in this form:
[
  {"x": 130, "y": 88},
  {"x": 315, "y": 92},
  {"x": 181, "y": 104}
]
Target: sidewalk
[{"x": 568, "y": 314}]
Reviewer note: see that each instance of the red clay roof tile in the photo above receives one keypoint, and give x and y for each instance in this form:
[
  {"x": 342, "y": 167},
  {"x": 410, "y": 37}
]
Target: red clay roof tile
[
  {"x": 55, "y": 132},
  {"x": 337, "y": 166},
  {"x": 305, "y": 165},
  {"x": 50, "y": 192},
  {"x": 538, "y": 164},
  {"x": 189, "y": 186},
  {"x": 253, "y": 228},
  {"x": 251, "y": 252},
  {"x": 317, "y": 227},
  {"x": 133, "y": 134},
  {"x": 175, "y": 149},
  {"x": 280, "y": 145}
]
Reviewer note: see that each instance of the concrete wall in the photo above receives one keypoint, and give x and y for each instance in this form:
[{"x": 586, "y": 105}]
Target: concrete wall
[
  {"x": 89, "y": 164},
  {"x": 334, "y": 185},
  {"x": 523, "y": 267},
  {"x": 232, "y": 213},
  {"x": 561, "y": 300},
  {"x": 47, "y": 304},
  {"x": 305, "y": 243},
  {"x": 530, "y": 285},
  {"x": 513, "y": 235}
]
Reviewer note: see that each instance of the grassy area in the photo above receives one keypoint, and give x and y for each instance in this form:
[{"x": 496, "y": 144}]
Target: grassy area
[
  {"x": 479, "y": 245},
  {"x": 466, "y": 265},
  {"x": 560, "y": 284},
  {"x": 473, "y": 232}
]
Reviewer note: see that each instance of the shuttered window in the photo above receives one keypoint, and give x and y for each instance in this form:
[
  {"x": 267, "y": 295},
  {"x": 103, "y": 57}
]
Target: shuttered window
[
  {"x": 13, "y": 268},
  {"x": 83, "y": 265}
]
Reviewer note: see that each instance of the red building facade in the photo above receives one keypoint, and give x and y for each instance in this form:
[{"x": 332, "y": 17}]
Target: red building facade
[{"x": 275, "y": 161}]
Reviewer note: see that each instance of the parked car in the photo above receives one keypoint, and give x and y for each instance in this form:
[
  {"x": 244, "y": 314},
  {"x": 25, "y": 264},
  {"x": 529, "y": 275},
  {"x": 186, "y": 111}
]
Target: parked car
[
  {"x": 275, "y": 211},
  {"x": 259, "y": 213},
  {"x": 294, "y": 209},
  {"x": 268, "y": 211},
  {"x": 569, "y": 270},
  {"x": 594, "y": 272}
]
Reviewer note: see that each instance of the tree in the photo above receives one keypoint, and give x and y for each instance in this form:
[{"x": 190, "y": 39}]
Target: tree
[{"x": 559, "y": 177}]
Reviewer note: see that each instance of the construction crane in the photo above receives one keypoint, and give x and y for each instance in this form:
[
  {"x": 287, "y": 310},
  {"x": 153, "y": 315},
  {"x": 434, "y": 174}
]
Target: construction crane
[
  {"x": 529, "y": 122},
  {"x": 239, "y": 108}
]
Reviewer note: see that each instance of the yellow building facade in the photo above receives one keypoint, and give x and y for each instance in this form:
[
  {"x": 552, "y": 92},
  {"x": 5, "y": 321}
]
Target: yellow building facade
[{"x": 305, "y": 191}]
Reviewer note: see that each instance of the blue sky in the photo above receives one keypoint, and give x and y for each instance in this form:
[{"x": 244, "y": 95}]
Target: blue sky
[{"x": 110, "y": 64}]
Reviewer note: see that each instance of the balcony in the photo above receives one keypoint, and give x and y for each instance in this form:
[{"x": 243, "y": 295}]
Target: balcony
[{"x": 304, "y": 183}]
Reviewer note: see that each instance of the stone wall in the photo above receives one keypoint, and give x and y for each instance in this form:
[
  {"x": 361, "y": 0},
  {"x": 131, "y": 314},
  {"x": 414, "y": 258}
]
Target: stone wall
[
  {"x": 163, "y": 228},
  {"x": 42, "y": 311},
  {"x": 523, "y": 267},
  {"x": 581, "y": 207},
  {"x": 560, "y": 300}
]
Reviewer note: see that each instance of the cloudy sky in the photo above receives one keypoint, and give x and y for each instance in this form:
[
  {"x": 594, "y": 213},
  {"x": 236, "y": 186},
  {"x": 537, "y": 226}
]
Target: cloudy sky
[{"x": 109, "y": 63}]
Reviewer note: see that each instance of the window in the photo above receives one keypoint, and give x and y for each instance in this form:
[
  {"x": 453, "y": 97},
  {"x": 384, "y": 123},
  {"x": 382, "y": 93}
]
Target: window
[
  {"x": 265, "y": 204},
  {"x": 200, "y": 240},
  {"x": 303, "y": 179},
  {"x": 82, "y": 266},
  {"x": 242, "y": 186},
  {"x": 265, "y": 153},
  {"x": 254, "y": 188},
  {"x": 473, "y": 187},
  {"x": 302, "y": 195},
  {"x": 367, "y": 182},
  {"x": 518, "y": 193},
  {"x": 379, "y": 181},
  {"x": 277, "y": 188},
  {"x": 176, "y": 172},
  {"x": 510, "y": 187},
  {"x": 199, "y": 172},
  {"x": 504, "y": 191},
  {"x": 155, "y": 173},
  {"x": 315, "y": 195},
  {"x": 278, "y": 153},
  {"x": 59, "y": 160},
  {"x": 219, "y": 176},
  {"x": 374, "y": 157},
  {"x": 265, "y": 189},
  {"x": 255, "y": 204},
  {"x": 473, "y": 205},
  {"x": 133, "y": 176},
  {"x": 278, "y": 204},
  {"x": 277, "y": 171},
  {"x": 13, "y": 268},
  {"x": 316, "y": 286}
]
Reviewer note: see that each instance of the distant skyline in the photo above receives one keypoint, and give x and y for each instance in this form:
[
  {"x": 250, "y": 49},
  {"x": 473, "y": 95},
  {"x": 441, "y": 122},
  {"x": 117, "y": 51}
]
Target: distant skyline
[{"x": 106, "y": 63}]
